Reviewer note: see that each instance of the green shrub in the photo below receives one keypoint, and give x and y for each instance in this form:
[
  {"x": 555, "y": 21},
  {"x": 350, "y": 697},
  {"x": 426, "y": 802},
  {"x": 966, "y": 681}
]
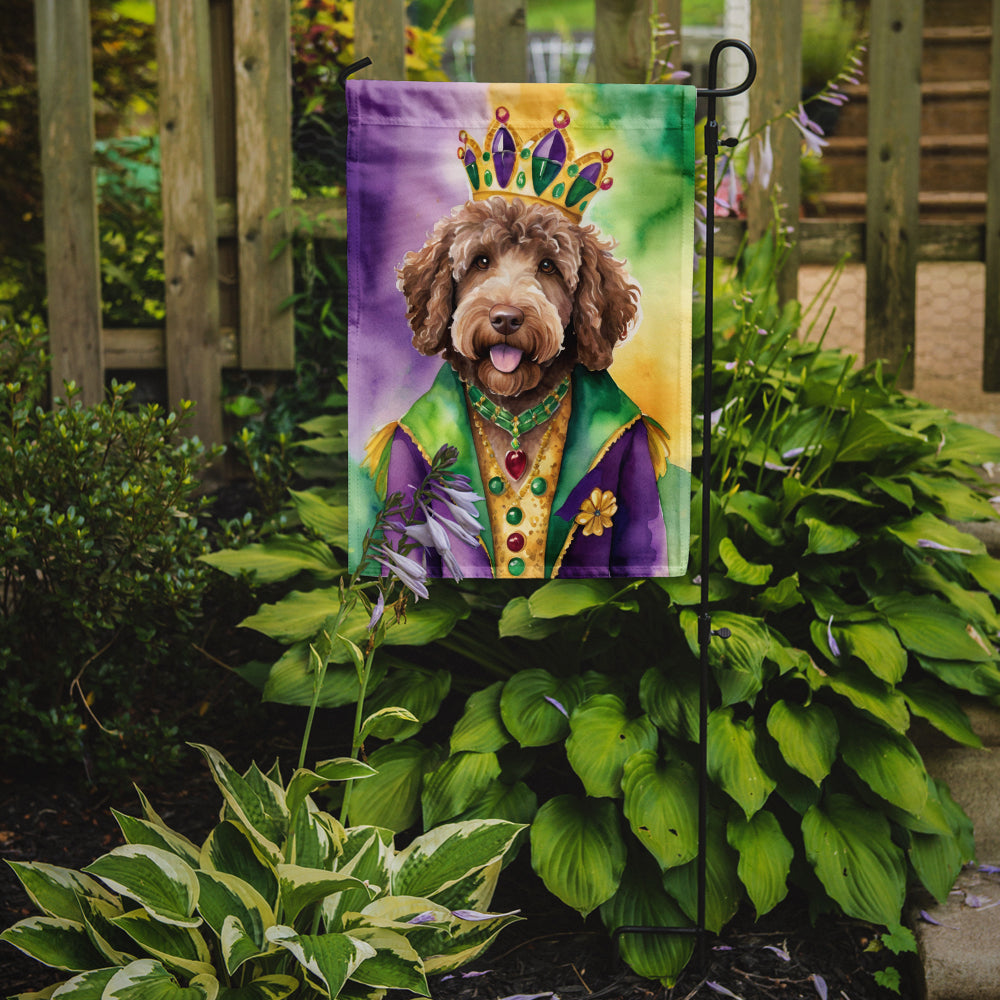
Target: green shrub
[{"x": 101, "y": 584}]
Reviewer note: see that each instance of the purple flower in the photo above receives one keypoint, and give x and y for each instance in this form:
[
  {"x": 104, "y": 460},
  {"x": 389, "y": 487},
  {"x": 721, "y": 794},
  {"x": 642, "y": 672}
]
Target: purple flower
[
  {"x": 811, "y": 132},
  {"x": 820, "y": 983},
  {"x": 377, "y": 612},
  {"x": 761, "y": 163},
  {"x": 410, "y": 573},
  {"x": 834, "y": 648},
  {"x": 475, "y": 915},
  {"x": 552, "y": 701},
  {"x": 427, "y": 917},
  {"x": 780, "y": 952},
  {"x": 719, "y": 988},
  {"x": 927, "y": 543}
]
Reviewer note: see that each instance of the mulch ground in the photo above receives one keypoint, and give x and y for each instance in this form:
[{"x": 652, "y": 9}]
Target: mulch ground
[{"x": 550, "y": 953}]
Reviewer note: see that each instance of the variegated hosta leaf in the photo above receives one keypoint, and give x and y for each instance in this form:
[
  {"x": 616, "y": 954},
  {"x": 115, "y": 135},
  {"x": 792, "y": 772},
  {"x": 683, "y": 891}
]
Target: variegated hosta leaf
[
  {"x": 765, "y": 858},
  {"x": 300, "y": 887},
  {"x": 481, "y": 727},
  {"x": 535, "y": 706},
  {"x": 732, "y": 760},
  {"x": 441, "y": 857},
  {"x": 87, "y": 986},
  {"x": 578, "y": 851},
  {"x": 467, "y": 940},
  {"x": 116, "y": 947},
  {"x": 367, "y": 853},
  {"x": 456, "y": 784},
  {"x": 476, "y": 890},
  {"x": 661, "y": 800},
  {"x": 230, "y": 849},
  {"x": 256, "y": 801},
  {"x": 177, "y": 947},
  {"x": 329, "y": 959},
  {"x": 54, "y": 941},
  {"x": 141, "y": 831},
  {"x": 275, "y": 987},
  {"x": 158, "y": 880},
  {"x": 225, "y": 897},
  {"x": 304, "y": 782},
  {"x": 315, "y": 838},
  {"x": 602, "y": 737},
  {"x": 850, "y": 847},
  {"x": 56, "y": 891},
  {"x": 642, "y": 902},
  {"x": 395, "y": 964},
  {"x": 888, "y": 763},
  {"x": 391, "y": 799},
  {"x": 807, "y": 736},
  {"x": 149, "y": 980}
]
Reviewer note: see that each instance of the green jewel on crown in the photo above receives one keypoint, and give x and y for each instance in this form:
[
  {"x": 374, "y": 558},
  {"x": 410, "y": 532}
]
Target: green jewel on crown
[{"x": 543, "y": 168}]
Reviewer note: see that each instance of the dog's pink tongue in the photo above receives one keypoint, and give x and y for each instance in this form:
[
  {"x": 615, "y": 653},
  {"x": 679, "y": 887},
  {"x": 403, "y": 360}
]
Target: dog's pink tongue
[{"x": 504, "y": 357}]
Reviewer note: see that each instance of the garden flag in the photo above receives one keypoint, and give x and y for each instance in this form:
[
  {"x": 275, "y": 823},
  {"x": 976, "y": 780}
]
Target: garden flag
[{"x": 520, "y": 289}]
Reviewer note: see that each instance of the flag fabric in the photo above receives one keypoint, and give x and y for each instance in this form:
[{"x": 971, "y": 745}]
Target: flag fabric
[{"x": 520, "y": 288}]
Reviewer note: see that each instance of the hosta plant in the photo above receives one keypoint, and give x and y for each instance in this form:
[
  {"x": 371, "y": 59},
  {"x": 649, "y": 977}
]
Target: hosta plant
[{"x": 279, "y": 900}]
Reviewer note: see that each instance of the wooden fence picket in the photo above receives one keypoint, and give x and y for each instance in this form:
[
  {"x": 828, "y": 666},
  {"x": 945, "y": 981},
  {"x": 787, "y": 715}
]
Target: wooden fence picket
[{"x": 991, "y": 331}]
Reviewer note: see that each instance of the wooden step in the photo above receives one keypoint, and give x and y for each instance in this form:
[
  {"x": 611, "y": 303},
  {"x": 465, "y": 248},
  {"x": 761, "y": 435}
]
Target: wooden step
[
  {"x": 945, "y": 12},
  {"x": 956, "y": 53},
  {"x": 957, "y": 206}
]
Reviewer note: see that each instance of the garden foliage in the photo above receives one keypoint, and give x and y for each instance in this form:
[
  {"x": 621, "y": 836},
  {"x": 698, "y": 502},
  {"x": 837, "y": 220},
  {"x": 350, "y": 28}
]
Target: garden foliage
[
  {"x": 280, "y": 899},
  {"x": 855, "y": 603},
  {"x": 99, "y": 546}
]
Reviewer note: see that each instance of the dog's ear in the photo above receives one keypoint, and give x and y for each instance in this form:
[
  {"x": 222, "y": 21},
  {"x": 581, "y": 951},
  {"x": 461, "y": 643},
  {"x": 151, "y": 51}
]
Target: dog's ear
[
  {"x": 425, "y": 280},
  {"x": 605, "y": 305}
]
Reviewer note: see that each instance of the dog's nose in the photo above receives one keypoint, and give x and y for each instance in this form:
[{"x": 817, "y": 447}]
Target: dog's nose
[{"x": 506, "y": 319}]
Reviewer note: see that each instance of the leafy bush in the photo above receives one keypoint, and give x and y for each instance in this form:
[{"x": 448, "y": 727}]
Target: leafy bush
[
  {"x": 854, "y": 602},
  {"x": 279, "y": 899},
  {"x": 99, "y": 541}
]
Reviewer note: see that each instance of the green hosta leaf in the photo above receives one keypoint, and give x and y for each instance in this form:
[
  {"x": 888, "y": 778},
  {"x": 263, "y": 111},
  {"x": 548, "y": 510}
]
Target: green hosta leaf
[
  {"x": 260, "y": 809},
  {"x": 671, "y": 700},
  {"x": 807, "y": 736},
  {"x": 870, "y": 435},
  {"x": 456, "y": 784},
  {"x": 661, "y": 799},
  {"x": 928, "y": 528},
  {"x": 976, "y": 678},
  {"x": 517, "y": 620},
  {"x": 641, "y": 901},
  {"x": 937, "y": 860},
  {"x": 417, "y": 690},
  {"x": 765, "y": 858},
  {"x": 292, "y": 680},
  {"x": 739, "y": 569},
  {"x": 975, "y": 605},
  {"x": 941, "y": 709},
  {"x": 180, "y": 948},
  {"x": 827, "y": 539},
  {"x": 738, "y": 661},
  {"x": 865, "y": 692},
  {"x": 159, "y": 881},
  {"x": 301, "y": 887},
  {"x": 141, "y": 831},
  {"x": 758, "y": 511},
  {"x": 965, "y": 443},
  {"x": 732, "y": 760},
  {"x": 279, "y": 558},
  {"x": 56, "y": 891},
  {"x": 602, "y": 738},
  {"x": 391, "y": 798},
  {"x": 395, "y": 964},
  {"x": 783, "y": 595},
  {"x": 327, "y": 520},
  {"x": 956, "y": 500},
  {"x": 684, "y": 592},
  {"x": 850, "y": 848},
  {"x": 986, "y": 571},
  {"x": 230, "y": 849},
  {"x": 330, "y": 959},
  {"x": 481, "y": 728},
  {"x": 578, "y": 851},
  {"x": 893, "y": 488},
  {"x": 274, "y": 987},
  {"x": 888, "y": 763},
  {"x": 149, "y": 980},
  {"x": 559, "y": 598},
  {"x": 54, "y": 941},
  {"x": 225, "y": 897},
  {"x": 876, "y": 646},
  {"x": 723, "y": 889},
  {"x": 932, "y": 628},
  {"x": 515, "y": 803},
  {"x": 530, "y": 706},
  {"x": 441, "y": 857}
]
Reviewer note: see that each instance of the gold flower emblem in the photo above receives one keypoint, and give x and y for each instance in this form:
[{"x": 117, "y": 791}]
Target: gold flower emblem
[{"x": 596, "y": 512}]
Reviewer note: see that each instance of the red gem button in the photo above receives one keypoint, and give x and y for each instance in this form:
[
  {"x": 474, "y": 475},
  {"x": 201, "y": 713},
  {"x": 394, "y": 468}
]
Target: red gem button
[
  {"x": 515, "y": 541},
  {"x": 515, "y": 462}
]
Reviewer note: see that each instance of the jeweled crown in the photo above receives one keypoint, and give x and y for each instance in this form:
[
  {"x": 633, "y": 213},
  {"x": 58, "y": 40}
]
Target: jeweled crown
[{"x": 543, "y": 168}]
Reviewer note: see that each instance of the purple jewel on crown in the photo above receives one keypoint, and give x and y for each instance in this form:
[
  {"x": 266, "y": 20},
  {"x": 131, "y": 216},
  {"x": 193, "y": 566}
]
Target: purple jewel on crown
[{"x": 543, "y": 167}]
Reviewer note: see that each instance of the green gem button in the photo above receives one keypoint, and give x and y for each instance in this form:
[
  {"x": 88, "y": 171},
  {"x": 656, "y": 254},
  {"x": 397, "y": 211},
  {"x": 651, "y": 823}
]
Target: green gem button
[
  {"x": 515, "y": 515},
  {"x": 516, "y": 566},
  {"x": 538, "y": 486},
  {"x": 495, "y": 486}
]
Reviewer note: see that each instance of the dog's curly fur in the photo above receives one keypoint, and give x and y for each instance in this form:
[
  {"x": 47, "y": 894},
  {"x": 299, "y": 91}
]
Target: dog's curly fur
[{"x": 572, "y": 299}]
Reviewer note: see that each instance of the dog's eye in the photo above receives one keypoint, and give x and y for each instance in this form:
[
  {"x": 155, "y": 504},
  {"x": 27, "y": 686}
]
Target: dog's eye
[
  {"x": 481, "y": 262},
  {"x": 548, "y": 266}
]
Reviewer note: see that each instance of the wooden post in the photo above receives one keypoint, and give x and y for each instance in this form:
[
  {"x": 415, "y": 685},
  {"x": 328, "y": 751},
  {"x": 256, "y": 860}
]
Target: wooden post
[
  {"x": 380, "y": 34},
  {"x": 991, "y": 333},
  {"x": 893, "y": 183},
  {"x": 72, "y": 256},
  {"x": 190, "y": 254},
  {"x": 776, "y": 35},
  {"x": 262, "y": 61},
  {"x": 623, "y": 38},
  {"x": 501, "y": 41}
]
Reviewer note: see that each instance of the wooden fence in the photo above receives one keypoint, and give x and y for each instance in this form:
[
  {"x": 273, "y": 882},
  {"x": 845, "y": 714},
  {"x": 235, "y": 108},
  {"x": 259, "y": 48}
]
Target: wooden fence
[{"x": 226, "y": 161}]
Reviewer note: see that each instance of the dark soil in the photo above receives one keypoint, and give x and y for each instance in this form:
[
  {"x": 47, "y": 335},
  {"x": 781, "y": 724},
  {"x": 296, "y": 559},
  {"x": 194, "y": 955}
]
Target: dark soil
[{"x": 551, "y": 952}]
